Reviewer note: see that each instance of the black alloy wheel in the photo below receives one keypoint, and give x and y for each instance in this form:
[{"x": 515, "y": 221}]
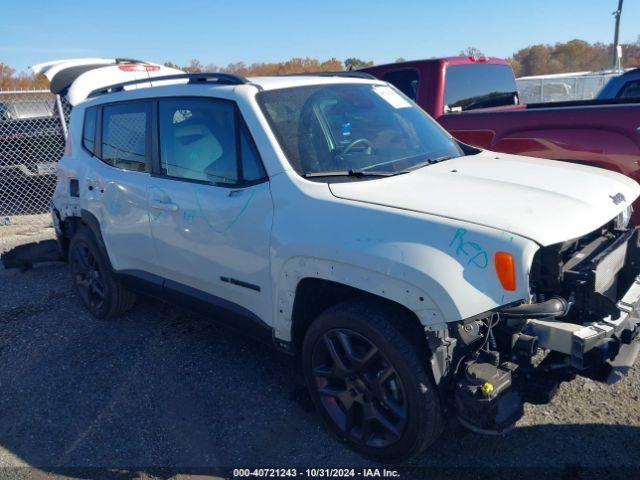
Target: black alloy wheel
[
  {"x": 93, "y": 279},
  {"x": 359, "y": 388},
  {"x": 88, "y": 277}
]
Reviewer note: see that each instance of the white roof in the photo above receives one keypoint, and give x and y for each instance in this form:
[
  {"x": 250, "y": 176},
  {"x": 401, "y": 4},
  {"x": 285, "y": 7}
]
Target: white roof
[{"x": 287, "y": 81}]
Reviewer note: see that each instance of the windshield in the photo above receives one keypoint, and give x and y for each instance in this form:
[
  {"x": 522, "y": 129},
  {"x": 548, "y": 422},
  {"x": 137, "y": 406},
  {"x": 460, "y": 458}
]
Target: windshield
[{"x": 353, "y": 127}]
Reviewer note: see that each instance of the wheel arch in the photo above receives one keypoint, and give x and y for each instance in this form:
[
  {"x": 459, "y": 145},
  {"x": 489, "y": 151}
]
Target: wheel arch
[
  {"x": 315, "y": 295},
  {"x": 70, "y": 224},
  {"x": 307, "y": 286}
]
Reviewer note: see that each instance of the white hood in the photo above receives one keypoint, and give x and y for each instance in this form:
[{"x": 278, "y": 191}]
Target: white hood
[{"x": 543, "y": 200}]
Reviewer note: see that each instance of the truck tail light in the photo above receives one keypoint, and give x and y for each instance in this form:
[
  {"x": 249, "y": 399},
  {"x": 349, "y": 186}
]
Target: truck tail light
[
  {"x": 139, "y": 67},
  {"x": 506, "y": 270}
]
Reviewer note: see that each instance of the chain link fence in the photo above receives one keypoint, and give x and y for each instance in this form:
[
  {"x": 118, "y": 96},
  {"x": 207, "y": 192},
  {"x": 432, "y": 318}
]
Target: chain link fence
[
  {"x": 562, "y": 87},
  {"x": 32, "y": 137}
]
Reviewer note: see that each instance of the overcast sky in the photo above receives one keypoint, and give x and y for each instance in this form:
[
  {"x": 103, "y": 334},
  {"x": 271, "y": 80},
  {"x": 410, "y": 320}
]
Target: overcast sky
[{"x": 261, "y": 31}]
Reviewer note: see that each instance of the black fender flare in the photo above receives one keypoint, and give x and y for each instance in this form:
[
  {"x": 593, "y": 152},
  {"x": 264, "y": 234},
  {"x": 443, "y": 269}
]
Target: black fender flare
[{"x": 92, "y": 222}]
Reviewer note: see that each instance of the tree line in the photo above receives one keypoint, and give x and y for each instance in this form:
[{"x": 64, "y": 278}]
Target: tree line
[
  {"x": 571, "y": 56},
  {"x": 294, "y": 65}
]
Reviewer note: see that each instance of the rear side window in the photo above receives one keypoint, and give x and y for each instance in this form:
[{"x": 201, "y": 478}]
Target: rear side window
[
  {"x": 468, "y": 87},
  {"x": 630, "y": 90},
  {"x": 89, "y": 129},
  {"x": 125, "y": 136},
  {"x": 404, "y": 80},
  {"x": 203, "y": 140}
]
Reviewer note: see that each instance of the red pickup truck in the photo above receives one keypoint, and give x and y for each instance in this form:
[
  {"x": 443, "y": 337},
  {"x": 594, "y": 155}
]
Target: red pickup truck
[{"x": 476, "y": 99}]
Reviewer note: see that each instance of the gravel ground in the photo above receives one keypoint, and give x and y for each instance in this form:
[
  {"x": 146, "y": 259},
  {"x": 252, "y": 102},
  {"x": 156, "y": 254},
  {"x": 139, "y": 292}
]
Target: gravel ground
[{"x": 165, "y": 387}]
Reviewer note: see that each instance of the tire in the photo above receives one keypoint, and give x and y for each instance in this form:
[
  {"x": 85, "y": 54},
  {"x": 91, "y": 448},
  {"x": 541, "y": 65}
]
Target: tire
[
  {"x": 93, "y": 280},
  {"x": 404, "y": 404}
]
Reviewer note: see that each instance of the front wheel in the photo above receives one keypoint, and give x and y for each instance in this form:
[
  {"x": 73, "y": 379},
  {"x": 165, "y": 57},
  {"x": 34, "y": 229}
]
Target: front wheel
[{"x": 367, "y": 377}]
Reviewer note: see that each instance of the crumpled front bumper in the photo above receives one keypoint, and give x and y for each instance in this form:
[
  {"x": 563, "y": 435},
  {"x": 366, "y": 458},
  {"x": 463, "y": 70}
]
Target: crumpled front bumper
[{"x": 609, "y": 343}]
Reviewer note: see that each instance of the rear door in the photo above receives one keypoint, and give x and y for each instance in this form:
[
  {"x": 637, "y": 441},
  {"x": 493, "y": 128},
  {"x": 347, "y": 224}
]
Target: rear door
[
  {"x": 116, "y": 181},
  {"x": 210, "y": 205}
]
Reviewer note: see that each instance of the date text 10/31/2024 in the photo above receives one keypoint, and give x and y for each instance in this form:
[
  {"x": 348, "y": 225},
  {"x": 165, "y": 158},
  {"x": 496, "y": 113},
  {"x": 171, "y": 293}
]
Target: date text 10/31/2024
[{"x": 316, "y": 473}]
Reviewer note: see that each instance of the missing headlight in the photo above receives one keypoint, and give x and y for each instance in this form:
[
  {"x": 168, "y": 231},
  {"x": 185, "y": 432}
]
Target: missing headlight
[{"x": 623, "y": 218}]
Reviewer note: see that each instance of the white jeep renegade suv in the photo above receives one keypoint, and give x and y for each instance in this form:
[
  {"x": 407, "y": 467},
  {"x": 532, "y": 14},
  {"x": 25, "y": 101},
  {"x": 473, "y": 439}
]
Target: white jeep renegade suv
[{"x": 413, "y": 276}]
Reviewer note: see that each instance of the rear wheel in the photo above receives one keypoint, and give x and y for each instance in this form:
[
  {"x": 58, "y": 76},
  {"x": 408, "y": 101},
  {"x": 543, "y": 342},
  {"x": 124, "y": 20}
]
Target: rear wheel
[
  {"x": 367, "y": 377},
  {"x": 100, "y": 293}
]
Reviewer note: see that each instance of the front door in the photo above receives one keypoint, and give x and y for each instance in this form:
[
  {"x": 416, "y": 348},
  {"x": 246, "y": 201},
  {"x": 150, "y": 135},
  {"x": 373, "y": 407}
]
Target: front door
[{"x": 210, "y": 207}]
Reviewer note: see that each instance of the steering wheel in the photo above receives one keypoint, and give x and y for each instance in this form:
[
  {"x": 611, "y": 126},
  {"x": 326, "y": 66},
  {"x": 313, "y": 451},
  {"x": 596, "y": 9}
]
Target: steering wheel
[{"x": 355, "y": 143}]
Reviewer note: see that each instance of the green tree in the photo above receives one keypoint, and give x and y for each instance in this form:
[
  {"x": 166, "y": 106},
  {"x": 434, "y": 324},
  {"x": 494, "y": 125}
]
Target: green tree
[{"x": 355, "y": 63}]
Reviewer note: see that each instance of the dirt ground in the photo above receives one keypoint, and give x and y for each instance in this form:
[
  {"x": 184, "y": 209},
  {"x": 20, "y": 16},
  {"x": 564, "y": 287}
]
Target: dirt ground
[{"x": 165, "y": 387}]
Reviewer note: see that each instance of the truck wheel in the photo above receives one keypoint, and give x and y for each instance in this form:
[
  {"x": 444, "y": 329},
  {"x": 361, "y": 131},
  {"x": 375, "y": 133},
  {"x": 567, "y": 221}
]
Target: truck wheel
[
  {"x": 93, "y": 280},
  {"x": 368, "y": 378}
]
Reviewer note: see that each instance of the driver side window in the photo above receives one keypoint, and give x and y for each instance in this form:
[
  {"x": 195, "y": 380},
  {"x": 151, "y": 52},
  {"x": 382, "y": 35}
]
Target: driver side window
[{"x": 198, "y": 140}]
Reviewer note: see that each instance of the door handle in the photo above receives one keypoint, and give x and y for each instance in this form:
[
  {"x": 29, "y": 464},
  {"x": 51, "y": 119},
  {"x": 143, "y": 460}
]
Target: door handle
[{"x": 166, "y": 206}]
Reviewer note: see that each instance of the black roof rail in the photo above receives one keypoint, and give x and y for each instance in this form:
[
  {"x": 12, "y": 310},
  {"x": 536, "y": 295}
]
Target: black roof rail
[
  {"x": 346, "y": 73},
  {"x": 213, "y": 77}
]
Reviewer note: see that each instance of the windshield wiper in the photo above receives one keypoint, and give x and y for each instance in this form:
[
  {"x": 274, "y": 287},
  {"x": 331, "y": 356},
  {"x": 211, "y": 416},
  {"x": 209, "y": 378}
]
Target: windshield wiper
[
  {"x": 428, "y": 162},
  {"x": 352, "y": 173},
  {"x": 376, "y": 173}
]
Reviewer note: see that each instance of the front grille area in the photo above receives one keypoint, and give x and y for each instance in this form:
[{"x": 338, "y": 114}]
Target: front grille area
[
  {"x": 592, "y": 272},
  {"x": 607, "y": 269}
]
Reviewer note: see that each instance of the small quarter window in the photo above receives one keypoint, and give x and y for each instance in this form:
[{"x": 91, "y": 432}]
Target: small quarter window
[
  {"x": 252, "y": 168},
  {"x": 89, "y": 129},
  {"x": 124, "y": 136}
]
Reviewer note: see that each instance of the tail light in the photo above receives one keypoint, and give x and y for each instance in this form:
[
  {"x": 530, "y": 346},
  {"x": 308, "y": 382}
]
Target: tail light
[
  {"x": 139, "y": 67},
  {"x": 506, "y": 270}
]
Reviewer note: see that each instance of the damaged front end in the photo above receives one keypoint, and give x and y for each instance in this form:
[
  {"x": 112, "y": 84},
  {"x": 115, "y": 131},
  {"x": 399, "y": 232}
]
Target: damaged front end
[
  {"x": 596, "y": 278},
  {"x": 583, "y": 318}
]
